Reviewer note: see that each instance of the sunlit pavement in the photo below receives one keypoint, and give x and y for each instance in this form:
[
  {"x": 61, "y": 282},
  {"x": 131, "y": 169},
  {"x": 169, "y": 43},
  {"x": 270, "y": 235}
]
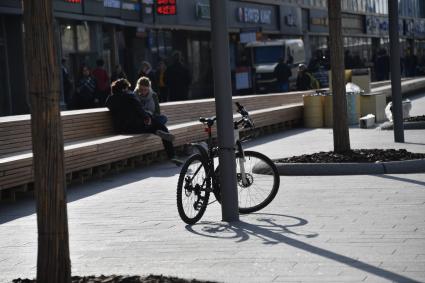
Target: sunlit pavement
[{"x": 364, "y": 228}]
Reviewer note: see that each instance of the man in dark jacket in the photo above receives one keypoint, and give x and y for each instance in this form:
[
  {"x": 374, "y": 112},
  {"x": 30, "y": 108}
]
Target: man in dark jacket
[
  {"x": 129, "y": 117},
  {"x": 282, "y": 73},
  {"x": 305, "y": 80},
  {"x": 177, "y": 79}
]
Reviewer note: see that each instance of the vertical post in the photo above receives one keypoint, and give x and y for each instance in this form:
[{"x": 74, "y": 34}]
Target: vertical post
[
  {"x": 341, "y": 133},
  {"x": 395, "y": 71},
  {"x": 224, "y": 109},
  {"x": 53, "y": 260}
]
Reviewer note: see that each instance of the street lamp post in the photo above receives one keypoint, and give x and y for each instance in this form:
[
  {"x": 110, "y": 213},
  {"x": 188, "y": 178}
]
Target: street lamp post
[{"x": 224, "y": 110}]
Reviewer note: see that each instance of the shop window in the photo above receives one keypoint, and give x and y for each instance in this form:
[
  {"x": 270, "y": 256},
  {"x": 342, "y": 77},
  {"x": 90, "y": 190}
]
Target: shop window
[
  {"x": 67, "y": 39},
  {"x": 83, "y": 38}
]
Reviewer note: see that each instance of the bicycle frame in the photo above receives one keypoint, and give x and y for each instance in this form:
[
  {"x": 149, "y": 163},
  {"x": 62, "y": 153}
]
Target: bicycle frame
[{"x": 210, "y": 153}]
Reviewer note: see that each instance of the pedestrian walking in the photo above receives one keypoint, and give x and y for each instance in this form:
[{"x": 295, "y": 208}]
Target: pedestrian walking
[
  {"x": 177, "y": 79},
  {"x": 305, "y": 79},
  {"x": 160, "y": 79},
  {"x": 147, "y": 71},
  {"x": 118, "y": 73},
  {"x": 282, "y": 73},
  {"x": 85, "y": 93},
  {"x": 67, "y": 84},
  {"x": 102, "y": 82}
]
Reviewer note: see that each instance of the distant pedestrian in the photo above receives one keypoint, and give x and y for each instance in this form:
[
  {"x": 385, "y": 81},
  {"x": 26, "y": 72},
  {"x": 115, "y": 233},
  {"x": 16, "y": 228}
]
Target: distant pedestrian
[
  {"x": 382, "y": 65},
  {"x": 102, "y": 82},
  {"x": 177, "y": 79},
  {"x": 86, "y": 90},
  {"x": 282, "y": 73},
  {"x": 118, "y": 73},
  {"x": 67, "y": 84},
  {"x": 348, "y": 60},
  {"x": 410, "y": 63},
  {"x": 147, "y": 71},
  {"x": 305, "y": 80},
  {"x": 160, "y": 79}
]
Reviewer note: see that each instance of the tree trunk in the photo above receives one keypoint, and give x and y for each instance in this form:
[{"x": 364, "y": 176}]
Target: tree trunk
[
  {"x": 53, "y": 262},
  {"x": 340, "y": 126}
]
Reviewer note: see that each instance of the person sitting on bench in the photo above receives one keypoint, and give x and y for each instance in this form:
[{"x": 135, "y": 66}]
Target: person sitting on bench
[{"x": 129, "y": 117}]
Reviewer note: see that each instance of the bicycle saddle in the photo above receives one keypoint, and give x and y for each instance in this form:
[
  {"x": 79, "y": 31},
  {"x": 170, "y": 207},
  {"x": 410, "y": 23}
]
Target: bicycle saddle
[{"x": 208, "y": 121}]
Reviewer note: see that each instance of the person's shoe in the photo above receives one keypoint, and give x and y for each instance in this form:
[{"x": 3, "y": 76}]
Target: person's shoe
[
  {"x": 165, "y": 136},
  {"x": 176, "y": 161}
]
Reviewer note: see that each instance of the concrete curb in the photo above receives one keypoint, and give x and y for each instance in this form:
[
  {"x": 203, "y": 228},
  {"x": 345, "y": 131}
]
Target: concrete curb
[
  {"x": 318, "y": 169},
  {"x": 414, "y": 125}
]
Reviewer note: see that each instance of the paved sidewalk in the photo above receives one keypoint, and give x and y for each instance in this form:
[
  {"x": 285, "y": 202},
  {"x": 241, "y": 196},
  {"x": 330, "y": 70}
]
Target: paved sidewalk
[{"x": 365, "y": 228}]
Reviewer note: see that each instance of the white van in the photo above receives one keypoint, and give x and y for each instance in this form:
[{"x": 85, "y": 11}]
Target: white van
[{"x": 265, "y": 56}]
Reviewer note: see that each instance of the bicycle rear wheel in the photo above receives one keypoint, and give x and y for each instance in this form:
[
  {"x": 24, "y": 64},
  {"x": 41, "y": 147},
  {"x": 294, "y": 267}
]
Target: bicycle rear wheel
[
  {"x": 261, "y": 184},
  {"x": 192, "y": 190}
]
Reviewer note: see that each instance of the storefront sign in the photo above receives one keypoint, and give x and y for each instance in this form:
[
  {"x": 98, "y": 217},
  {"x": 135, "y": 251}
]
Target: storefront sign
[
  {"x": 319, "y": 21},
  {"x": 203, "y": 11},
  {"x": 166, "y": 7},
  {"x": 116, "y": 4},
  {"x": 254, "y": 15},
  {"x": 131, "y": 5},
  {"x": 372, "y": 25},
  {"x": 352, "y": 24},
  {"x": 67, "y": 6},
  {"x": 290, "y": 20}
]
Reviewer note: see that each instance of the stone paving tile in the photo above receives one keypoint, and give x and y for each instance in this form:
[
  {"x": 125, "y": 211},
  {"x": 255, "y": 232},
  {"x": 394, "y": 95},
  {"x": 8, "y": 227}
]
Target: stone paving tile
[{"x": 318, "y": 229}]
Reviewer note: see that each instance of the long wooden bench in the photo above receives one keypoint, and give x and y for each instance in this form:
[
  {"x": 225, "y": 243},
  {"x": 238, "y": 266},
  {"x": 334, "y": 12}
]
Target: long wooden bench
[{"x": 92, "y": 147}]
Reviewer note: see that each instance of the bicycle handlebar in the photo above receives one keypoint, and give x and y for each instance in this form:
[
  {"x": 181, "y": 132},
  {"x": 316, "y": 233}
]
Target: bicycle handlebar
[{"x": 246, "y": 119}]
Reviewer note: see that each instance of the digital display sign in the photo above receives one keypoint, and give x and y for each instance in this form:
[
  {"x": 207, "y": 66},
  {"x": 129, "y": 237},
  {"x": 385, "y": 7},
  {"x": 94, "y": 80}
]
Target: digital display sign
[
  {"x": 166, "y": 7},
  {"x": 73, "y": 1}
]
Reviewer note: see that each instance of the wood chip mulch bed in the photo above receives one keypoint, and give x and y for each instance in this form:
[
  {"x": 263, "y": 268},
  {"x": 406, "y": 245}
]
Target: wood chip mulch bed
[
  {"x": 354, "y": 156},
  {"x": 122, "y": 279}
]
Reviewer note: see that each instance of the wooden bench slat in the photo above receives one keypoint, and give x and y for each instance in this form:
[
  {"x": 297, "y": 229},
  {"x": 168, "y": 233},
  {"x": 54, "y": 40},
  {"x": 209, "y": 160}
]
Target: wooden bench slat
[{"x": 90, "y": 140}]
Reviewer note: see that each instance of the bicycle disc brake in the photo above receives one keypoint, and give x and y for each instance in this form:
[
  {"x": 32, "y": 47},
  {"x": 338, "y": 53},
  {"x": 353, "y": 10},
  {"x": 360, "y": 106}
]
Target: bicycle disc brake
[{"x": 249, "y": 180}]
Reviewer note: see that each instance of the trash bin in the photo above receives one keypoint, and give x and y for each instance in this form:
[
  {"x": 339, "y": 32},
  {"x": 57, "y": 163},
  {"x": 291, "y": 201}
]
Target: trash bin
[
  {"x": 373, "y": 104},
  {"x": 347, "y": 75},
  {"x": 361, "y": 77},
  {"x": 313, "y": 110},
  {"x": 353, "y": 109}
]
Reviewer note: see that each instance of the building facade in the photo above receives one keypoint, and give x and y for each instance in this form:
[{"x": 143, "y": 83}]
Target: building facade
[{"x": 127, "y": 32}]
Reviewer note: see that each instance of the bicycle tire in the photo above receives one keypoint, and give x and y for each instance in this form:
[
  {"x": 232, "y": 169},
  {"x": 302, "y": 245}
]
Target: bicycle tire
[
  {"x": 192, "y": 197},
  {"x": 262, "y": 166}
]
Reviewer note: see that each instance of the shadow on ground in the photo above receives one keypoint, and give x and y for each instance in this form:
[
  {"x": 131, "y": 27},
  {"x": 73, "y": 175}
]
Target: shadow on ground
[
  {"x": 24, "y": 207},
  {"x": 274, "y": 233}
]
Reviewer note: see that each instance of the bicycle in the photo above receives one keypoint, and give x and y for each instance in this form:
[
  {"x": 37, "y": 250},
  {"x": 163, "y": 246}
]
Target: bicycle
[{"x": 257, "y": 176}]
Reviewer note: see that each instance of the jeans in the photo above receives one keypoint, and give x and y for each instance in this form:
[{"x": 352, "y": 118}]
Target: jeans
[{"x": 168, "y": 146}]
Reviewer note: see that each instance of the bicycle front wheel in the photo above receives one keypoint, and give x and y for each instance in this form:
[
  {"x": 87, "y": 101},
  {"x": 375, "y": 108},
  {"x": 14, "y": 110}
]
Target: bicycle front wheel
[
  {"x": 193, "y": 190},
  {"x": 260, "y": 183}
]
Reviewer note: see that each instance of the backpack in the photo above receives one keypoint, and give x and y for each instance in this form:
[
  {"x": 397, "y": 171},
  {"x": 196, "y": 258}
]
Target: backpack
[{"x": 314, "y": 83}]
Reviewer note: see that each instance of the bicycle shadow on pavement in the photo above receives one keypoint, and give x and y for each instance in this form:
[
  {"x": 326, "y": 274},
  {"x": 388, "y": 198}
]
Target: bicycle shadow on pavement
[
  {"x": 10, "y": 211},
  {"x": 403, "y": 180},
  {"x": 271, "y": 232}
]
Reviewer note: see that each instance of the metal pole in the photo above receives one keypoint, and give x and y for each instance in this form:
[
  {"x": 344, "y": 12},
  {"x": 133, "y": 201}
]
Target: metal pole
[
  {"x": 395, "y": 71},
  {"x": 224, "y": 109}
]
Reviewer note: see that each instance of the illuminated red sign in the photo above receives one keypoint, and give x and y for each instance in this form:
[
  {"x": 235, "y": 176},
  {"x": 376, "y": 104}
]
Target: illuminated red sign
[
  {"x": 166, "y": 7},
  {"x": 73, "y": 1}
]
